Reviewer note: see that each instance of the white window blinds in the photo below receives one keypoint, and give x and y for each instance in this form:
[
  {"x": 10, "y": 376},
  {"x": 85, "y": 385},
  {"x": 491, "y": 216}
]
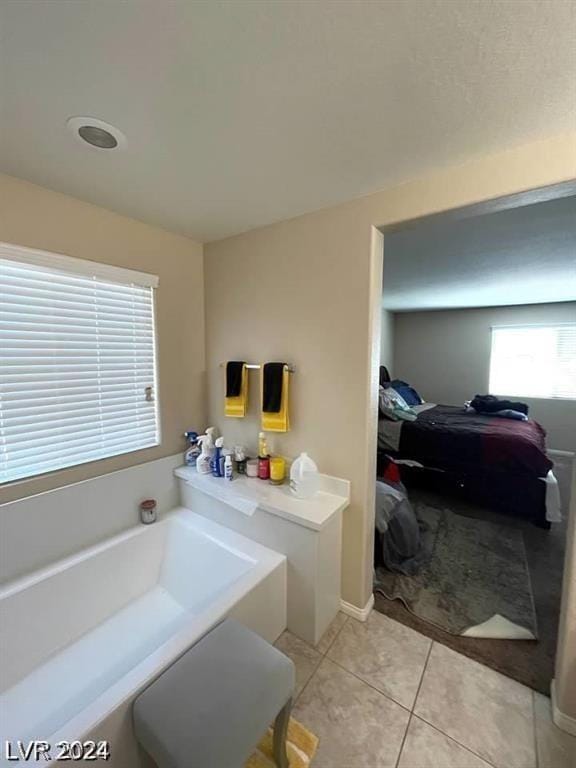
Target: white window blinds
[
  {"x": 534, "y": 361},
  {"x": 77, "y": 362}
]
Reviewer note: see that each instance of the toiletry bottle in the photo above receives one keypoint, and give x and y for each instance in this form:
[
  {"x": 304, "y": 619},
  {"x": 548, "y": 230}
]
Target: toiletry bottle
[
  {"x": 225, "y": 452},
  {"x": 216, "y": 467},
  {"x": 228, "y": 468},
  {"x": 211, "y": 439},
  {"x": 193, "y": 450},
  {"x": 277, "y": 470},
  {"x": 263, "y": 457},
  {"x": 262, "y": 444},
  {"x": 203, "y": 464},
  {"x": 240, "y": 459}
]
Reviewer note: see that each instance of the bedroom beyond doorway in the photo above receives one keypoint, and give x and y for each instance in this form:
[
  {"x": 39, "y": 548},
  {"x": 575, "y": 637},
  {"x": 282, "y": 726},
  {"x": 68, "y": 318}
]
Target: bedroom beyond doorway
[{"x": 476, "y": 430}]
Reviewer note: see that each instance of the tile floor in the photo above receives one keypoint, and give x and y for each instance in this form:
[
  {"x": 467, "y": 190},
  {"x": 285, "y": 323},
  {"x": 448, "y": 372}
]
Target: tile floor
[{"x": 381, "y": 695}]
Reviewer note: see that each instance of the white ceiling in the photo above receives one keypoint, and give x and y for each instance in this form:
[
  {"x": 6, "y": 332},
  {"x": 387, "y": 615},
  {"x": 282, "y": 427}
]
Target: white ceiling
[
  {"x": 518, "y": 256},
  {"x": 241, "y": 113}
]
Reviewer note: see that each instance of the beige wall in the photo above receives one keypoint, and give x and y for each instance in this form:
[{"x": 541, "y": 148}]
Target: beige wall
[
  {"x": 446, "y": 356},
  {"x": 304, "y": 291},
  {"x": 38, "y": 218},
  {"x": 387, "y": 340}
]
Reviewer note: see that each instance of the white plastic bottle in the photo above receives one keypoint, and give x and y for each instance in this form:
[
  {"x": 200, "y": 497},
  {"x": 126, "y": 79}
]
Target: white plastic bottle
[
  {"x": 304, "y": 477},
  {"x": 228, "y": 468},
  {"x": 211, "y": 440},
  {"x": 204, "y": 461}
]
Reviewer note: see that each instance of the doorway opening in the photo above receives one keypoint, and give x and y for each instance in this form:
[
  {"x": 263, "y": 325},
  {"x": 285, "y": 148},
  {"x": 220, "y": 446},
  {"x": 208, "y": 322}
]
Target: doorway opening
[{"x": 476, "y": 428}]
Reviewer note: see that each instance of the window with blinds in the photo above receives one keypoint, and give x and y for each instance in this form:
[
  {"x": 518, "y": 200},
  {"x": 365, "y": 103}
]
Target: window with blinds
[
  {"x": 534, "y": 361},
  {"x": 77, "y": 362}
]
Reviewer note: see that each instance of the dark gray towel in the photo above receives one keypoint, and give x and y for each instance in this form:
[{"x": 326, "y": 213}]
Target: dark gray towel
[
  {"x": 272, "y": 386},
  {"x": 234, "y": 378}
]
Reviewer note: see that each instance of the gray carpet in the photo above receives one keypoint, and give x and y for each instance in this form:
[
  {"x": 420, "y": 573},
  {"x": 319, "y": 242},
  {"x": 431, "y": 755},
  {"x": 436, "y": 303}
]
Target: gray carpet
[{"x": 475, "y": 570}]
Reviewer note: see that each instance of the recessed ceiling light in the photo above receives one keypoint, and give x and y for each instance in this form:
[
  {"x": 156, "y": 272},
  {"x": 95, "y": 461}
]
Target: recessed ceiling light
[{"x": 96, "y": 133}]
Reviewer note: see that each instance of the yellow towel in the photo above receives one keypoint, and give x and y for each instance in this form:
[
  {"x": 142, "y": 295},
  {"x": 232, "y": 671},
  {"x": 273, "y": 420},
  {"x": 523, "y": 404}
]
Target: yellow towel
[
  {"x": 277, "y": 422},
  {"x": 301, "y": 746},
  {"x": 236, "y": 406}
]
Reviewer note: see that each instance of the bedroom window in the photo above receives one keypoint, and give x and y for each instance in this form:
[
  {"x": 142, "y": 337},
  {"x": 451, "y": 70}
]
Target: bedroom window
[
  {"x": 77, "y": 362},
  {"x": 534, "y": 361}
]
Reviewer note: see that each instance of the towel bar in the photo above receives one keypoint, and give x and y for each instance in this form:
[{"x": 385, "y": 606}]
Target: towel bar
[{"x": 252, "y": 366}]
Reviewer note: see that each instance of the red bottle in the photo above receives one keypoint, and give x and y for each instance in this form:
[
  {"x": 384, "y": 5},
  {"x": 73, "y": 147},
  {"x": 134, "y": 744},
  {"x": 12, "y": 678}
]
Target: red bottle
[{"x": 264, "y": 467}]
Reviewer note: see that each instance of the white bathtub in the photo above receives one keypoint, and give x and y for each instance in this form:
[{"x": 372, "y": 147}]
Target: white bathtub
[{"x": 79, "y": 639}]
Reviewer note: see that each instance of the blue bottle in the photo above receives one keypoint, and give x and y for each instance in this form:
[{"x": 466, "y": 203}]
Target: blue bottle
[
  {"x": 217, "y": 465},
  {"x": 193, "y": 450}
]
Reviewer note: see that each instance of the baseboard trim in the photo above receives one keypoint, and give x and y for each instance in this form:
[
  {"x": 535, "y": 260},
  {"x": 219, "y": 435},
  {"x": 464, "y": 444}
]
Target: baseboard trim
[
  {"x": 361, "y": 614},
  {"x": 561, "y": 454},
  {"x": 562, "y": 720}
]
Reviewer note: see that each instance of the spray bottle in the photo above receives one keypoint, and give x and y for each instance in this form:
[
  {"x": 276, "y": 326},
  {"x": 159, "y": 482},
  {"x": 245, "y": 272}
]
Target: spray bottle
[
  {"x": 193, "y": 449},
  {"x": 217, "y": 458},
  {"x": 204, "y": 461}
]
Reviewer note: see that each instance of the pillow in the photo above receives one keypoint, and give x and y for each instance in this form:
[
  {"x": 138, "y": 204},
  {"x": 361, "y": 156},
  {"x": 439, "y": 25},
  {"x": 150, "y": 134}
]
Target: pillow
[
  {"x": 393, "y": 406},
  {"x": 409, "y": 394}
]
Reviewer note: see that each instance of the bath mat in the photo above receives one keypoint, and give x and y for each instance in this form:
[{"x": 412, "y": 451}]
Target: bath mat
[
  {"x": 475, "y": 581},
  {"x": 301, "y": 747}
]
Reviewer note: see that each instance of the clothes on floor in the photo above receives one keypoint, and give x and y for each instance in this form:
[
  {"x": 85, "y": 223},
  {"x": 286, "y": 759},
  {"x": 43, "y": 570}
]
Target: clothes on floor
[
  {"x": 399, "y": 546},
  {"x": 492, "y": 404}
]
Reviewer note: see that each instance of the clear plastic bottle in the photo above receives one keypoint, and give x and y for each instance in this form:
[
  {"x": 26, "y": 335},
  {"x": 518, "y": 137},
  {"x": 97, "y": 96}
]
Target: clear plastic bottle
[{"x": 304, "y": 477}]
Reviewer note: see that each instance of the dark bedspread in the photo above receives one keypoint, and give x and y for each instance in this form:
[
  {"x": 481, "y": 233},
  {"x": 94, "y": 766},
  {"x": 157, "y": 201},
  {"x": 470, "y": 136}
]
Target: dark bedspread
[{"x": 448, "y": 438}]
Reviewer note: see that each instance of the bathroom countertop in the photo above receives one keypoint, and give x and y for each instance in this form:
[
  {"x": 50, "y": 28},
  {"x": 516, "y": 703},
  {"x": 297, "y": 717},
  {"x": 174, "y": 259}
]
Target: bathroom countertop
[{"x": 249, "y": 494}]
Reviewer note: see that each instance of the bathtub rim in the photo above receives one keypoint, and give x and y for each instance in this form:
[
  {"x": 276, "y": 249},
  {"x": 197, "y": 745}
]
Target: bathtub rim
[{"x": 264, "y": 560}]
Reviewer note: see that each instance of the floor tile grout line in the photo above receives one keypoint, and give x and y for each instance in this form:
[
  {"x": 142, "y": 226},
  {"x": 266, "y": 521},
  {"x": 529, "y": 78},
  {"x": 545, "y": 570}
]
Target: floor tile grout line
[
  {"x": 336, "y": 636},
  {"x": 451, "y": 738},
  {"x": 425, "y": 667},
  {"x": 447, "y": 735},
  {"x": 414, "y": 704},
  {"x": 321, "y": 657},
  {"x": 361, "y": 679},
  {"x": 397, "y": 763},
  {"x": 307, "y": 683},
  {"x": 411, "y": 711}
]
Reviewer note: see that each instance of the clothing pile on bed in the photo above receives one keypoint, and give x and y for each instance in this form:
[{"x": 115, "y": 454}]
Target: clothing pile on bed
[
  {"x": 490, "y": 405},
  {"x": 396, "y": 401},
  {"x": 496, "y": 462}
]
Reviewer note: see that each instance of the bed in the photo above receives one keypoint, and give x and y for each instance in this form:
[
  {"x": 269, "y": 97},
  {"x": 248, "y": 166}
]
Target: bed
[{"x": 486, "y": 459}]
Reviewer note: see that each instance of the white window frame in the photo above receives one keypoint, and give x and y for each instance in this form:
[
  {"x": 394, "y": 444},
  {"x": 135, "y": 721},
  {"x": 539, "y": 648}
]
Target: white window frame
[
  {"x": 75, "y": 267},
  {"x": 524, "y": 326}
]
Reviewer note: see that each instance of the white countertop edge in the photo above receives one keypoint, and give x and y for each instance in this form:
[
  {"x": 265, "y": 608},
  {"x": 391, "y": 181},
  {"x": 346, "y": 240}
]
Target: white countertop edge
[{"x": 312, "y": 513}]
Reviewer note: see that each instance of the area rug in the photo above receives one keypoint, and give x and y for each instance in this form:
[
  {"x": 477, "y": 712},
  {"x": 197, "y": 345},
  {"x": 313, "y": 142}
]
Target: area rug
[
  {"x": 475, "y": 580},
  {"x": 301, "y": 745}
]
